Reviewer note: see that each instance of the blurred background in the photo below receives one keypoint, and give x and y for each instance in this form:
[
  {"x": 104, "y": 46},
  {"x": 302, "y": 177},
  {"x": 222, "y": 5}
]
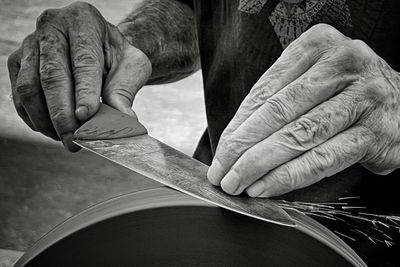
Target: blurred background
[{"x": 41, "y": 184}]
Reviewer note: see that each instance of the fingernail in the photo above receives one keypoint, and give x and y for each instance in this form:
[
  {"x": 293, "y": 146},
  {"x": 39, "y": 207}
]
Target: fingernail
[
  {"x": 215, "y": 173},
  {"x": 385, "y": 172},
  {"x": 256, "y": 189},
  {"x": 231, "y": 182},
  {"x": 130, "y": 112},
  {"x": 67, "y": 139},
  {"x": 82, "y": 113}
]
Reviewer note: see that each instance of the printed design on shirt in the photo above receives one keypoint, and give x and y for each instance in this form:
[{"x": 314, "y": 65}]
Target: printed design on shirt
[
  {"x": 290, "y": 18},
  {"x": 251, "y": 6}
]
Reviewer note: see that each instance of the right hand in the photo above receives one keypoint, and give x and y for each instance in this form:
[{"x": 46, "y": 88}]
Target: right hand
[{"x": 62, "y": 69}]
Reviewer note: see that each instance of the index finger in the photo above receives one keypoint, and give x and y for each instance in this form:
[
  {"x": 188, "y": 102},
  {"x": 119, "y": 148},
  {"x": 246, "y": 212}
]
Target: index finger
[
  {"x": 56, "y": 81},
  {"x": 293, "y": 63}
]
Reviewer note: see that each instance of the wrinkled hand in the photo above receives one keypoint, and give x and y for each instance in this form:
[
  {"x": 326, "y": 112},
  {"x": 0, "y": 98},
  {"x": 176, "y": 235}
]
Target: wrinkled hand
[
  {"x": 325, "y": 104},
  {"x": 62, "y": 69}
]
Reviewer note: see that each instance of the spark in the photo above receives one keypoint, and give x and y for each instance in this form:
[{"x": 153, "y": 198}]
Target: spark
[
  {"x": 345, "y": 198},
  {"x": 339, "y": 233},
  {"x": 388, "y": 243},
  {"x": 314, "y": 204},
  {"x": 364, "y": 234},
  {"x": 384, "y": 224},
  {"x": 333, "y": 203},
  {"x": 387, "y": 236},
  {"x": 351, "y": 216},
  {"x": 353, "y": 207}
]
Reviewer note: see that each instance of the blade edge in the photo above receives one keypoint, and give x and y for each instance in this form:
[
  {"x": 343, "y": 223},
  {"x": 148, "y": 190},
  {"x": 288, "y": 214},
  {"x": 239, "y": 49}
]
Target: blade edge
[{"x": 282, "y": 217}]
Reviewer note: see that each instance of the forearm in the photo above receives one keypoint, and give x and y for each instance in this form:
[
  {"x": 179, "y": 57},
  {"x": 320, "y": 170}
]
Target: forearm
[{"x": 165, "y": 31}]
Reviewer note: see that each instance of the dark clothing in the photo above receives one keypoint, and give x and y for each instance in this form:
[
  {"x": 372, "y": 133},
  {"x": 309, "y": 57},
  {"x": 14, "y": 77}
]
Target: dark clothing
[{"x": 239, "y": 41}]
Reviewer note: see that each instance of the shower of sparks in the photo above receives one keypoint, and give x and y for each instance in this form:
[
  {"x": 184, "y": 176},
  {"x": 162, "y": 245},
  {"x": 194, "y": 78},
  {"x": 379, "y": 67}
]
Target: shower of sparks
[{"x": 353, "y": 216}]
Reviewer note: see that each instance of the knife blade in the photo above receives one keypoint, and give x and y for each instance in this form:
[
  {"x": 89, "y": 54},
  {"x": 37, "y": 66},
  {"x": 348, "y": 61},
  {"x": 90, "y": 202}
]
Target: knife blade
[{"x": 122, "y": 139}]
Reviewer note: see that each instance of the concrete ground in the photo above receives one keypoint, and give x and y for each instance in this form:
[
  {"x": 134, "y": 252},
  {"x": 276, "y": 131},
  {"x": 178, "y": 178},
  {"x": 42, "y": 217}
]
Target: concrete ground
[{"x": 40, "y": 183}]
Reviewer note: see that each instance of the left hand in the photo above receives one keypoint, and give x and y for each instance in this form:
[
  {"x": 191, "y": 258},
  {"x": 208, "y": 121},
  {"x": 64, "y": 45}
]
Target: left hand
[{"x": 325, "y": 104}]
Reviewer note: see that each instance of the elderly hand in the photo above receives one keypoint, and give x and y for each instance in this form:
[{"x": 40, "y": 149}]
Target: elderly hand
[
  {"x": 62, "y": 69},
  {"x": 325, "y": 104}
]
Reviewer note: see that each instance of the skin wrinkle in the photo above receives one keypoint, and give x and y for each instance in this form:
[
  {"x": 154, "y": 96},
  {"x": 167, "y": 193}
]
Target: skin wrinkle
[
  {"x": 29, "y": 89},
  {"x": 352, "y": 121},
  {"x": 80, "y": 54},
  {"x": 275, "y": 78},
  {"x": 54, "y": 72},
  {"x": 170, "y": 38},
  {"x": 282, "y": 116},
  {"x": 165, "y": 32}
]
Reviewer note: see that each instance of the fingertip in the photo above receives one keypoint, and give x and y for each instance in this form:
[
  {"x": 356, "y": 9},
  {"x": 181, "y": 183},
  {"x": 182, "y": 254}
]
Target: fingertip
[
  {"x": 215, "y": 173},
  {"x": 231, "y": 183},
  {"x": 268, "y": 194},
  {"x": 67, "y": 140},
  {"x": 121, "y": 104},
  {"x": 129, "y": 111},
  {"x": 82, "y": 113},
  {"x": 256, "y": 189},
  {"x": 273, "y": 188},
  {"x": 385, "y": 172}
]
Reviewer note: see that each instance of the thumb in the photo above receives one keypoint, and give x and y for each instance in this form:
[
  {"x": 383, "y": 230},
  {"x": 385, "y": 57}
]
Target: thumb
[{"x": 125, "y": 78}]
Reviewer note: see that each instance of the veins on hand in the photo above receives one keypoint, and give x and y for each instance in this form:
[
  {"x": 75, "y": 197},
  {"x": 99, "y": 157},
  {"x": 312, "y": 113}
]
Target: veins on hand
[{"x": 165, "y": 31}]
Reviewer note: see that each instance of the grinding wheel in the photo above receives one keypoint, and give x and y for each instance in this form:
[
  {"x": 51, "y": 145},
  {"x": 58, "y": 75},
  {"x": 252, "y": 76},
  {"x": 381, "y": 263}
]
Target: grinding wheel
[{"x": 162, "y": 227}]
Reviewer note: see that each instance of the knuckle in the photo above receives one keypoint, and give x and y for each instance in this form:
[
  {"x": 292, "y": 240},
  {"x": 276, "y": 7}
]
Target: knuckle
[
  {"x": 258, "y": 91},
  {"x": 232, "y": 148},
  {"x": 51, "y": 73},
  {"x": 321, "y": 34},
  {"x": 24, "y": 90},
  {"x": 354, "y": 59},
  {"x": 285, "y": 178},
  {"x": 81, "y": 5},
  {"x": 59, "y": 118},
  {"x": 323, "y": 30},
  {"x": 80, "y": 10},
  {"x": 263, "y": 88},
  {"x": 360, "y": 46},
  {"x": 372, "y": 144},
  {"x": 280, "y": 109},
  {"x": 321, "y": 159},
  {"x": 365, "y": 136},
  {"x": 86, "y": 59},
  {"x": 87, "y": 96},
  {"x": 47, "y": 16},
  {"x": 303, "y": 132},
  {"x": 350, "y": 54},
  {"x": 378, "y": 93}
]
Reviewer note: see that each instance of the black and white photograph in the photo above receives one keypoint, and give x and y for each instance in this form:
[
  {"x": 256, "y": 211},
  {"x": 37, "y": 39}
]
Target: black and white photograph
[{"x": 199, "y": 133}]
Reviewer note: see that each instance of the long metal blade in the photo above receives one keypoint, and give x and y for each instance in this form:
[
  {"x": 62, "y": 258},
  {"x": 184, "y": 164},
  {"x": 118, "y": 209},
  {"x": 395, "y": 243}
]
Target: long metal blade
[{"x": 156, "y": 160}]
